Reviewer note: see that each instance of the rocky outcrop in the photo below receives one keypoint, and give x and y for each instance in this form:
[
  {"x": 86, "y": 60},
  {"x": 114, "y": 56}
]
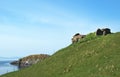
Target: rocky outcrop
[
  {"x": 30, "y": 60},
  {"x": 77, "y": 37},
  {"x": 103, "y": 31},
  {"x": 15, "y": 63}
]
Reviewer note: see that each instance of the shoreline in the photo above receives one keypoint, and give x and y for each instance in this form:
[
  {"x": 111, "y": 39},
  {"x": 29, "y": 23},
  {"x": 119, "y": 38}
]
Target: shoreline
[{"x": 6, "y": 67}]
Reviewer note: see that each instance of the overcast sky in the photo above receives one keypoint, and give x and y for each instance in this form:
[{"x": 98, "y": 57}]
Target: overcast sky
[{"x": 45, "y": 26}]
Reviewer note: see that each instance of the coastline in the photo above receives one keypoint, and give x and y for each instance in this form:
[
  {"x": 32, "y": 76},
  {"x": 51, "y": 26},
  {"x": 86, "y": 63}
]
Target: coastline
[{"x": 6, "y": 67}]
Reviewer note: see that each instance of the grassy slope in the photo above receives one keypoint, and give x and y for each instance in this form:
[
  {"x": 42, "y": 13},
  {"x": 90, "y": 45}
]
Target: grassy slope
[{"x": 91, "y": 57}]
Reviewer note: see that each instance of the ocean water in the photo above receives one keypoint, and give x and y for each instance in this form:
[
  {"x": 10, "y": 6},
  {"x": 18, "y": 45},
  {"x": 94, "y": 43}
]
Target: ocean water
[{"x": 6, "y": 67}]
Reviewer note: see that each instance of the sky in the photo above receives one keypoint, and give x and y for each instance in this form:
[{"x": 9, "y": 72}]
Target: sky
[{"x": 46, "y": 26}]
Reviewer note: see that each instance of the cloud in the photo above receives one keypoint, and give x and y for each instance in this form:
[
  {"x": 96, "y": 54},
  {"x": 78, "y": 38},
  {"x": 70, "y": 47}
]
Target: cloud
[{"x": 46, "y": 14}]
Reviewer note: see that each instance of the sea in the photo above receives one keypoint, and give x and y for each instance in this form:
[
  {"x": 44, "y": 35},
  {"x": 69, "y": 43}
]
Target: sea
[{"x": 6, "y": 67}]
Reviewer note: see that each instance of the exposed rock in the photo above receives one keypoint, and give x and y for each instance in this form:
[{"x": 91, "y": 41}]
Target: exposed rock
[
  {"x": 77, "y": 37},
  {"x": 103, "y": 31},
  {"x": 30, "y": 60},
  {"x": 15, "y": 63}
]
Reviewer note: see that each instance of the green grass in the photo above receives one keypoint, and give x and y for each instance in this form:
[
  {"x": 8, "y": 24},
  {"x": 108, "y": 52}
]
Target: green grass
[{"x": 93, "y": 56}]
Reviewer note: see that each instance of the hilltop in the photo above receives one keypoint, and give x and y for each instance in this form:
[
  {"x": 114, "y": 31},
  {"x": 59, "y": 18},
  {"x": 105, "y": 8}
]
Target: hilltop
[{"x": 93, "y": 56}]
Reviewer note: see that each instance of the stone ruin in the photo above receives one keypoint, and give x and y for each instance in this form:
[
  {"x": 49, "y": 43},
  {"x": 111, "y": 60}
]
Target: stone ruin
[
  {"x": 103, "y": 31},
  {"x": 77, "y": 37}
]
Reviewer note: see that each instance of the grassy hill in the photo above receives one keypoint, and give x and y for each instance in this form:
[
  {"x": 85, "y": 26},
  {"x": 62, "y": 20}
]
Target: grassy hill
[{"x": 93, "y": 56}]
